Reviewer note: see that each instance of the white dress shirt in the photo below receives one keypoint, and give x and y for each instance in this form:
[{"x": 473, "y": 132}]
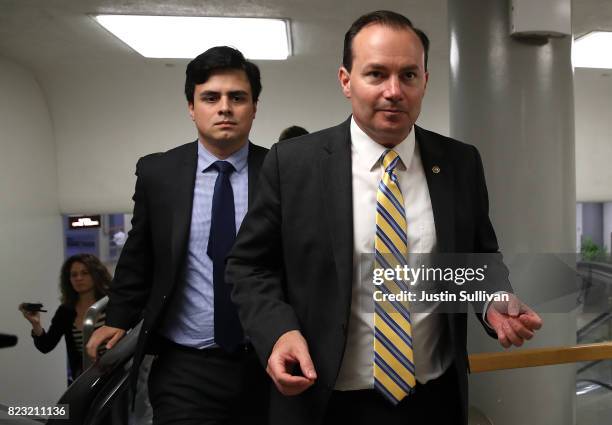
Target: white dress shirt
[{"x": 432, "y": 351}]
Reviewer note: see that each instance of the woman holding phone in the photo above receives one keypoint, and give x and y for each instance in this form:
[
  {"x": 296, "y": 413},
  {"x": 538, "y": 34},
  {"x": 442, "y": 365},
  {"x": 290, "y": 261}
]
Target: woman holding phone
[{"x": 83, "y": 281}]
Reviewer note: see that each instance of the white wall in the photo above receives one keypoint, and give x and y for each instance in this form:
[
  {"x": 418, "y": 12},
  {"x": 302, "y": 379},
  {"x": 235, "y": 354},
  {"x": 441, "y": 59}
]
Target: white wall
[
  {"x": 593, "y": 103},
  {"x": 107, "y": 113},
  {"x": 103, "y": 124},
  {"x": 106, "y": 121},
  {"x": 30, "y": 237}
]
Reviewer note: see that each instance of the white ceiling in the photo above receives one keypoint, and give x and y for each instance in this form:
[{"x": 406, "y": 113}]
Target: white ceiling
[
  {"x": 589, "y": 15},
  {"x": 57, "y": 35},
  {"x": 52, "y": 35}
]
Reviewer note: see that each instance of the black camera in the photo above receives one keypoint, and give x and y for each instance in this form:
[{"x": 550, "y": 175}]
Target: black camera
[{"x": 33, "y": 307}]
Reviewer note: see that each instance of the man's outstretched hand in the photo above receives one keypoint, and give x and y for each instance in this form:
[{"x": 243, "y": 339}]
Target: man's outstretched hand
[
  {"x": 513, "y": 321},
  {"x": 289, "y": 357}
]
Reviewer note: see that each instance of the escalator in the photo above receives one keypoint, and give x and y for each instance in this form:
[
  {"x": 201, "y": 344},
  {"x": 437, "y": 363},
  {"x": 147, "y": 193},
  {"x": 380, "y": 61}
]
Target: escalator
[
  {"x": 101, "y": 394},
  {"x": 594, "y": 378}
]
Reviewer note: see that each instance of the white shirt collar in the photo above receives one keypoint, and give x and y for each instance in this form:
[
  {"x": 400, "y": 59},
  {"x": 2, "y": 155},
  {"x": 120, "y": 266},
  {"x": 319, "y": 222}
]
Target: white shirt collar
[{"x": 368, "y": 152}]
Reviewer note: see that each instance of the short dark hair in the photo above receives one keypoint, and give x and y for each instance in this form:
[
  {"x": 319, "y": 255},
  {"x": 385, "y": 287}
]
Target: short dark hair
[
  {"x": 291, "y": 132},
  {"x": 380, "y": 17},
  {"x": 98, "y": 272},
  {"x": 220, "y": 58}
]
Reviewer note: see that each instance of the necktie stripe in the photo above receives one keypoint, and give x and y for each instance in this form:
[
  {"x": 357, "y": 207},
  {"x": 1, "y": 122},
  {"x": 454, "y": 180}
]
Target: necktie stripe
[
  {"x": 394, "y": 287},
  {"x": 392, "y": 237},
  {"x": 398, "y": 339},
  {"x": 391, "y": 373},
  {"x": 382, "y": 262},
  {"x": 392, "y": 222},
  {"x": 397, "y": 325},
  {"x": 383, "y": 390},
  {"x": 393, "y": 349},
  {"x": 399, "y": 306},
  {"x": 384, "y": 189},
  {"x": 389, "y": 247},
  {"x": 395, "y": 235},
  {"x": 394, "y": 374},
  {"x": 391, "y": 360},
  {"x": 387, "y": 382},
  {"x": 393, "y": 189},
  {"x": 397, "y": 215},
  {"x": 389, "y": 163}
]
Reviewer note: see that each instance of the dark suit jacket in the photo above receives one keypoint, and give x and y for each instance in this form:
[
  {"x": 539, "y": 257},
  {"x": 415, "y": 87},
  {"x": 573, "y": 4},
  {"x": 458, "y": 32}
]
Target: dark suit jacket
[
  {"x": 153, "y": 258},
  {"x": 292, "y": 262}
]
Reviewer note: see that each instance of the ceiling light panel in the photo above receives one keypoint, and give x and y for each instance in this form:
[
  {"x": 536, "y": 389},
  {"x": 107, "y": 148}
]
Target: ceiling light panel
[
  {"x": 593, "y": 50},
  {"x": 188, "y": 36}
]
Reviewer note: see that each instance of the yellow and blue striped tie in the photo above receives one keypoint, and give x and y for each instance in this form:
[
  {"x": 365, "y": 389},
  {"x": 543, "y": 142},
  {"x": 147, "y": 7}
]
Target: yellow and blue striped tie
[{"x": 394, "y": 374}]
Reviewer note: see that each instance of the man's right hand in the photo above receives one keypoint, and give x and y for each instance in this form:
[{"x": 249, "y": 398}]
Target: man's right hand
[
  {"x": 290, "y": 354},
  {"x": 101, "y": 335}
]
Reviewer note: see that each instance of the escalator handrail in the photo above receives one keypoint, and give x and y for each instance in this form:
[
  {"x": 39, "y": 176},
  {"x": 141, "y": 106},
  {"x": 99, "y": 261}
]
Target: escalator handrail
[
  {"x": 98, "y": 378},
  {"x": 486, "y": 362},
  {"x": 89, "y": 325},
  {"x": 593, "y": 324}
]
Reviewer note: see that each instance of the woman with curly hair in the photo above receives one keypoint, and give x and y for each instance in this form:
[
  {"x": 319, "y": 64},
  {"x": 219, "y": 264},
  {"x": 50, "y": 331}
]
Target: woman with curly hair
[{"x": 83, "y": 281}]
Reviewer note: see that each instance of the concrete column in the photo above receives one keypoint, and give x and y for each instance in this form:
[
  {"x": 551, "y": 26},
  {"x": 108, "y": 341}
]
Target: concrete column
[{"x": 514, "y": 100}]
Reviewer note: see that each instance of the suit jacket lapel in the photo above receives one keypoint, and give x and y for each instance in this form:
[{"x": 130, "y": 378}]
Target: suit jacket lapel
[
  {"x": 183, "y": 183},
  {"x": 255, "y": 159},
  {"x": 337, "y": 197},
  {"x": 439, "y": 173}
]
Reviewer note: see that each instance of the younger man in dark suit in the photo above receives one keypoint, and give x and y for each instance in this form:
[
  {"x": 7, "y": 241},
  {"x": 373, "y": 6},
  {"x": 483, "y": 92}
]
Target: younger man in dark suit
[{"x": 188, "y": 204}]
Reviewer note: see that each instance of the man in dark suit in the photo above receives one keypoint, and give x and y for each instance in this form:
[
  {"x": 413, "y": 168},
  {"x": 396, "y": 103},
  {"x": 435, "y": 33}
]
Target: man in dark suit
[
  {"x": 188, "y": 204},
  {"x": 375, "y": 184}
]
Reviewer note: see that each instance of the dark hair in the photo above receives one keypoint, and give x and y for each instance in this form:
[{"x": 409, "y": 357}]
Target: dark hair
[
  {"x": 98, "y": 272},
  {"x": 291, "y": 132},
  {"x": 380, "y": 17},
  {"x": 217, "y": 59}
]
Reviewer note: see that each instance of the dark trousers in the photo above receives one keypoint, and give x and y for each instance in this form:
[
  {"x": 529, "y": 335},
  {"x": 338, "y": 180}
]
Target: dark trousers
[
  {"x": 201, "y": 387},
  {"x": 435, "y": 403}
]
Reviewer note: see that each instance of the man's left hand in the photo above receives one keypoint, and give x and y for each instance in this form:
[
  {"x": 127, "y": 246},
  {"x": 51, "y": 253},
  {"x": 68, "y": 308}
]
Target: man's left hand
[{"x": 513, "y": 321}]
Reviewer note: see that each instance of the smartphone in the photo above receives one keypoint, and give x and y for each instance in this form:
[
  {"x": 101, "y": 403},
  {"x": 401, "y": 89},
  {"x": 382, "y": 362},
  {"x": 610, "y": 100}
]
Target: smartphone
[{"x": 33, "y": 307}]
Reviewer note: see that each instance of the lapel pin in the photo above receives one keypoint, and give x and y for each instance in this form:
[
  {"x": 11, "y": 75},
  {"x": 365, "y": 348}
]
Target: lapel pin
[{"x": 435, "y": 169}]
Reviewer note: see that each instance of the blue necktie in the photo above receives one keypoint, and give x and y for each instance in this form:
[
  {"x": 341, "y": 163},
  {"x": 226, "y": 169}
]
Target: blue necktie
[{"x": 228, "y": 331}]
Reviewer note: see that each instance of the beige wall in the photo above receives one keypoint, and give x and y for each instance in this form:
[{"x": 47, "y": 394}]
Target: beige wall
[
  {"x": 593, "y": 110},
  {"x": 106, "y": 118},
  {"x": 30, "y": 236}
]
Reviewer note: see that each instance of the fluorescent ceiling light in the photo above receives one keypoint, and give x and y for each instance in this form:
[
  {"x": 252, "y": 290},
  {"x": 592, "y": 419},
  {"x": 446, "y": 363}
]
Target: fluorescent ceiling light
[
  {"x": 593, "y": 50},
  {"x": 187, "y": 37}
]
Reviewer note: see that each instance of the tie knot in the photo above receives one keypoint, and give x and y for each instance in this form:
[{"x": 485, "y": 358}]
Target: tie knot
[
  {"x": 390, "y": 159},
  {"x": 223, "y": 167}
]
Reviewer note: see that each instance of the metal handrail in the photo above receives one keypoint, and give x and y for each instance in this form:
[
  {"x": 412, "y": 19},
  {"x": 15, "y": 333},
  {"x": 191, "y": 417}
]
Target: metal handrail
[
  {"x": 89, "y": 326},
  {"x": 605, "y": 268},
  {"x": 596, "y": 382},
  {"x": 593, "y": 324}
]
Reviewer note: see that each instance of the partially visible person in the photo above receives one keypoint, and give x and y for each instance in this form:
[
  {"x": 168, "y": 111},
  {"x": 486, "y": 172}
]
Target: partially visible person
[
  {"x": 291, "y": 132},
  {"x": 83, "y": 281}
]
